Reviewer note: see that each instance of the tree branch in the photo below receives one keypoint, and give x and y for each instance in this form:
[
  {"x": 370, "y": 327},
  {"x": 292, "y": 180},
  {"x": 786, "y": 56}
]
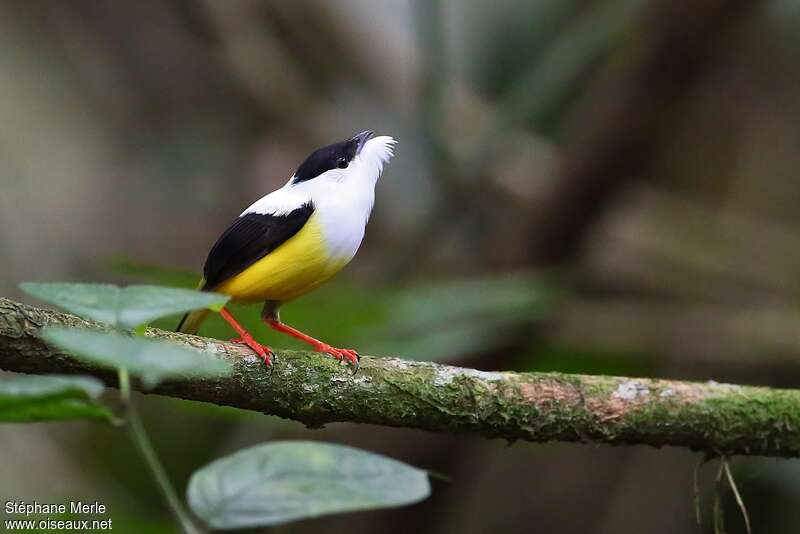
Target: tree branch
[{"x": 717, "y": 419}]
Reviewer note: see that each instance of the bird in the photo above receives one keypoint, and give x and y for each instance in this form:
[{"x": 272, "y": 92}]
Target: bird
[{"x": 294, "y": 239}]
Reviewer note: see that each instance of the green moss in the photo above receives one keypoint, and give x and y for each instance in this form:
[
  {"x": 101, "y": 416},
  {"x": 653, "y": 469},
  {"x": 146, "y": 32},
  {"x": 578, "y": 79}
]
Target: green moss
[{"x": 315, "y": 389}]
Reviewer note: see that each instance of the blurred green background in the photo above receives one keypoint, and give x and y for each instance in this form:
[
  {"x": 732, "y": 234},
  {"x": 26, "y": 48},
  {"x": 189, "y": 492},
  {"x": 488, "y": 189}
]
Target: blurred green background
[{"x": 581, "y": 186}]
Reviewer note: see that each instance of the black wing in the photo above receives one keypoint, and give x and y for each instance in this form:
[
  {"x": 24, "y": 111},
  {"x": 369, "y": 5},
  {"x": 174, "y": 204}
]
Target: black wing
[{"x": 251, "y": 237}]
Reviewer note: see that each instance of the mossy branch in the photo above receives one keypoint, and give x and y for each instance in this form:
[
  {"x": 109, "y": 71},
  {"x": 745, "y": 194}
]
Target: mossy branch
[{"x": 717, "y": 419}]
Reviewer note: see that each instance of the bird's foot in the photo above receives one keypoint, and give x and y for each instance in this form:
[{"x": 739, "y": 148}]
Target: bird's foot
[
  {"x": 348, "y": 354},
  {"x": 245, "y": 337},
  {"x": 264, "y": 351}
]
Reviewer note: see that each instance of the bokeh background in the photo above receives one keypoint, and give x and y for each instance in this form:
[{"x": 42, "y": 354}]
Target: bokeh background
[{"x": 584, "y": 186}]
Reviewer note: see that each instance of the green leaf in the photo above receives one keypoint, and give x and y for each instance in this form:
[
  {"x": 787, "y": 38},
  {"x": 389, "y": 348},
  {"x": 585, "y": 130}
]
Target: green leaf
[
  {"x": 25, "y": 398},
  {"x": 127, "y": 307},
  {"x": 91, "y": 301},
  {"x": 141, "y": 304},
  {"x": 287, "y": 480},
  {"x": 152, "y": 361}
]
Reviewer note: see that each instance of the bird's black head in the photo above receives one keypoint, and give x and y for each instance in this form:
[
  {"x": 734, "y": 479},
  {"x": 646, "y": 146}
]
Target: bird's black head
[{"x": 335, "y": 156}]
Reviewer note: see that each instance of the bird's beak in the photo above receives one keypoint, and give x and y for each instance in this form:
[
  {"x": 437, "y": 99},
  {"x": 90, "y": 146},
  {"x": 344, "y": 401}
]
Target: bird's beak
[{"x": 362, "y": 139}]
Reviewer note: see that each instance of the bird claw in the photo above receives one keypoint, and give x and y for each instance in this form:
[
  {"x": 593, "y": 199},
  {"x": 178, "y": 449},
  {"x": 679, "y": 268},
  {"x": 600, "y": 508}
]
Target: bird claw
[
  {"x": 341, "y": 354},
  {"x": 264, "y": 351}
]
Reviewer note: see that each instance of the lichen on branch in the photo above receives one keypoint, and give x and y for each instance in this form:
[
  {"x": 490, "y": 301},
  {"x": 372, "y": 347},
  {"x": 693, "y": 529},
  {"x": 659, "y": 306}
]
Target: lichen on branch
[{"x": 718, "y": 419}]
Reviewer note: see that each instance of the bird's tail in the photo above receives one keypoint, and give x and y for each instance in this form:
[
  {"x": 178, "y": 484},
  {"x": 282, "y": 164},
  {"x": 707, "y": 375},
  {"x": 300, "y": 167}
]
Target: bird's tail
[{"x": 191, "y": 321}]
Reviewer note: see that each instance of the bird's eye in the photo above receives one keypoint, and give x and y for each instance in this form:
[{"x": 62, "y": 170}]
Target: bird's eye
[{"x": 341, "y": 163}]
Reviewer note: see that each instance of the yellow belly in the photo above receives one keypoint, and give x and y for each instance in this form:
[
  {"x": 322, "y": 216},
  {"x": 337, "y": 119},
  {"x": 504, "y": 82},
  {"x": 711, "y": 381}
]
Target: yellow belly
[{"x": 294, "y": 268}]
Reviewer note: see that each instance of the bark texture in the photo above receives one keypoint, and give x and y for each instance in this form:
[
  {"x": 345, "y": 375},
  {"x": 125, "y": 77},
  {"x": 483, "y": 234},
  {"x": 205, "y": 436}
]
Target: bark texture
[{"x": 718, "y": 419}]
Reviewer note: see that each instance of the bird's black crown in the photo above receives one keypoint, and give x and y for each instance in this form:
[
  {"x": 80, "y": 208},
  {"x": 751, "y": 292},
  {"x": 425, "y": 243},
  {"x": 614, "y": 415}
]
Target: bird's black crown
[{"x": 335, "y": 156}]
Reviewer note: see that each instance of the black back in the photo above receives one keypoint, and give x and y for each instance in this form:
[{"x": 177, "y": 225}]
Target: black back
[
  {"x": 337, "y": 155},
  {"x": 251, "y": 237}
]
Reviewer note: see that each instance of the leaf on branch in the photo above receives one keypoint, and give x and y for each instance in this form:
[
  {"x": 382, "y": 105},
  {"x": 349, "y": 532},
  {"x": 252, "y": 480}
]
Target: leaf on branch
[
  {"x": 126, "y": 307},
  {"x": 141, "y": 304},
  {"x": 27, "y": 398},
  {"x": 288, "y": 480},
  {"x": 152, "y": 361},
  {"x": 92, "y": 301}
]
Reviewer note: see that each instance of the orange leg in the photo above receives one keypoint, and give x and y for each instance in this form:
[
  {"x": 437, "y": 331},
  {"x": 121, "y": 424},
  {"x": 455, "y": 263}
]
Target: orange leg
[
  {"x": 317, "y": 345},
  {"x": 246, "y": 338}
]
